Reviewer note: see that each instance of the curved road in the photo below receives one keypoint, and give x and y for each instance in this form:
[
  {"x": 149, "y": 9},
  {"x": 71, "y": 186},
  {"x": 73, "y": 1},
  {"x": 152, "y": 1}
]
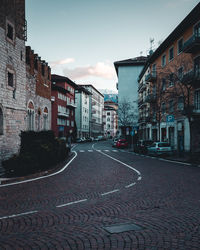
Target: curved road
[{"x": 104, "y": 199}]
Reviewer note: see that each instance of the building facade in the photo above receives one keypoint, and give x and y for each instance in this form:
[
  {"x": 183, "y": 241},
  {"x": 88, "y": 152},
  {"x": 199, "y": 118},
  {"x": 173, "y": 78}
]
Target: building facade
[
  {"x": 12, "y": 76},
  {"x": 82, "y": 115},
  {"x": 63, "y": 106},
  {"x": 38, "y": 92},
  {"x": 128, "y": 72},
  {"x": 96, "y": 106},
  {"x": 169, "y": 88},
  {"x": 110, "y": 119}
]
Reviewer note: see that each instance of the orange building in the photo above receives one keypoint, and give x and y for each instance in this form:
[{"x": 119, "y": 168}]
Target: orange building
[{"x": 169, "y": 88}]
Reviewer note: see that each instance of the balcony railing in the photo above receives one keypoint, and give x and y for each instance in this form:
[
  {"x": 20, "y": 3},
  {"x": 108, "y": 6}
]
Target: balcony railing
[
  {"x": 192, "y": 45},
  {"x": 192, "y": 78},
  {"x": 151, "y": 77},
  {"x": 150, "y": 98},
  {"x": 71, "y": 104},
  {"x": 63, "y": 114}
]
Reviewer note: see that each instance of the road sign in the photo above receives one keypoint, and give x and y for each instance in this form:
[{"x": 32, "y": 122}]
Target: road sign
[{"x": 170, "y": 118}]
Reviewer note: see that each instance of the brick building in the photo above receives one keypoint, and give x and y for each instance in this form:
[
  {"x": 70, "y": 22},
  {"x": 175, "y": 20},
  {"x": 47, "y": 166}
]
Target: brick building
[
  {"x": 38, "y": 92},
  {"x": 63, "y": 106},
  {"x": 12, "y": 75},
  {"x": 169, "y": 88}
]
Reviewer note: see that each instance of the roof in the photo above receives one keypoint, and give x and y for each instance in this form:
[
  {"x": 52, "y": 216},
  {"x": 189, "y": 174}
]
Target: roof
[
  {"x": 137, "y": 61},
  {"x": 188, "y": 21},
  {"x": 90, "y": 85},
  {"x": 80, "y": 88},
  {"x": 57, "y": 78}
]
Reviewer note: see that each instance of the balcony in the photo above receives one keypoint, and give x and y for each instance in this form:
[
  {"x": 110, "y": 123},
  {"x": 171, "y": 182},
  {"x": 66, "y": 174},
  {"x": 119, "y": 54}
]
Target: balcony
[
  {"x": 63, "y": 114},
  {"x": 151, "y": 98},
  {"x": 192, "y": 78},
  {"x": 142, "y": 87},
  {"x": 53, "y": 98},
  {"x": 151, "y": 77},
  {"x": 192, "y": 45},
  {"x": 71, "y": 104}
]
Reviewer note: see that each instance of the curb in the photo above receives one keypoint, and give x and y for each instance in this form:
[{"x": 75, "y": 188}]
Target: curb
[{"x": 36, "y": 175}]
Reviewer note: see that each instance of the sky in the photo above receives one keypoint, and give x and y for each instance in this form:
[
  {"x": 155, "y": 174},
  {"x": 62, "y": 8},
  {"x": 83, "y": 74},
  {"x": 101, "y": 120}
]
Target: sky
[{"x": 81, "y": 39}]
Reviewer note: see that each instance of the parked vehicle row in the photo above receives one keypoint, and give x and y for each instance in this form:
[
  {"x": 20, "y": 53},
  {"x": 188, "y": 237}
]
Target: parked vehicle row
[
  {"x": 153, "y": 148},
  {"x": 120, "y": 143},
  {"x": 90, "y": 139}
]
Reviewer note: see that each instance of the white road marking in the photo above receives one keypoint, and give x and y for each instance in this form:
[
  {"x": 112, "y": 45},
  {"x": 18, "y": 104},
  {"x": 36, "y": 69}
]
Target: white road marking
[
  {"x": 138, "y": 172},
  {"x": 71, "y": 203},
  {"x": 139, "y": 178},
  {"x": 17, "y": 215},
  {"x": 115, "y": 150},
  {"x": 106, "y": 150},
  {"x": 90, "y": 150},
  {"x": 41, "y": 177},
  {"x": 81, "y": 151},
  {"x": 178, "y": 162},
  {"x": 110, "y": 192},
  {"x": 130, "y": 185}
]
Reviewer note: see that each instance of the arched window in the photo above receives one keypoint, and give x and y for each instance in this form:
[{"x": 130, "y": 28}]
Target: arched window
[
  {"x": 1, "y": 121},
  {"x": 45, "y": 116},
  {"x": 30, "y": 121},
  {"x": 39, "y": 118}
]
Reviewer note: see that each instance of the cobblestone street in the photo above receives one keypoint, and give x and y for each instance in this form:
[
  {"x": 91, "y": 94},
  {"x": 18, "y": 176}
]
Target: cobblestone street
[{"x": 104, "y": 199}]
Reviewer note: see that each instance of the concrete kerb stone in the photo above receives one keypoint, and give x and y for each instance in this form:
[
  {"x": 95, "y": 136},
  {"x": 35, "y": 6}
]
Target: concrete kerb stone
[{"x": 32, "y": 176}]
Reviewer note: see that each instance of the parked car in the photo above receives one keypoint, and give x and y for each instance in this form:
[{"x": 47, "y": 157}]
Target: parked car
[
  {"x": 142, "y": 145},
  {"x": 159, "y": 148},
  {"x": 78, "y": 140},
  {"x": 115, "y": 142},
  {"x": 122, "y": 143}
]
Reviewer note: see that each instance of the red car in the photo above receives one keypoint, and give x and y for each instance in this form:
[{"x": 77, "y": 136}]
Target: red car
[{"x": 122, "y": 143}]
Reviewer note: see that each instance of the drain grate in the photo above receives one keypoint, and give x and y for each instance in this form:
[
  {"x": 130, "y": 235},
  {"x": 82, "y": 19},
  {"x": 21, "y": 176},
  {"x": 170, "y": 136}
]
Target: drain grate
[{"x": 120, "y": 228}]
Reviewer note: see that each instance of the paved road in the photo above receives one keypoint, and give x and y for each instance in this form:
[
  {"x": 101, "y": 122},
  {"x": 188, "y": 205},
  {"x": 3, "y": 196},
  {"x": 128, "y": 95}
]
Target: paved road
[{"x": 104, "y": 199}]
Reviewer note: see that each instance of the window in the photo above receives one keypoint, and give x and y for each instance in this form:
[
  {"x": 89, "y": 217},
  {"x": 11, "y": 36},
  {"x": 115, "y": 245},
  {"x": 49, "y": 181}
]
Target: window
[
  {"x": 10, "y": 31},
  {"x": 197, "y": 100},
  {"x": 45, "y": 126},
  {"x": 163, "y": 84},
  {"x": 197, "y": 30},
  {"x": 30, "y": 121},
  {"x": 108, "y": 119},
  {"x": 163, "y": 60},
  {"x": 154, "y": 70},
  {"x": 180, "y": 103},
  {"x": 1, "y": 121},
  {"x": 180, "y": 73},
  {"x": 197, "y": 66},
  {"x": 43, "y": 69},
  {"x": 171, "y": 80},
  {"x": 171, "y": 54},
  {"x": 108, "y": 113},
  {"x": 10, "y": 79},
  {"x": 163, "y": 108},
  {"x": 180, "y": 45},
  {"x": 171, "y": 106}
]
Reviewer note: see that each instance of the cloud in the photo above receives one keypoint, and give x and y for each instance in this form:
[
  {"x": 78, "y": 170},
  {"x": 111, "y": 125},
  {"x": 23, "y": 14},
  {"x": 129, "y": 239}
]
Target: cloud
[
  {"x": 61, "y": 62},
  {"x": 101, "y": 69}
]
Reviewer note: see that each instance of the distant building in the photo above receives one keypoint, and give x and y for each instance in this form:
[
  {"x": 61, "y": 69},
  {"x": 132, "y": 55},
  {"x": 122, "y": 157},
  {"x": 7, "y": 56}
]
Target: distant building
[
  {"x": 128, "y": 72},
  {"x": 38, "y": 92},
  {"x": 169, "y": 88},
  {"x": 12, "y": 76},
  {"x": 110, "y": 119},
  {"x": 63, "y": 106},
  {"x": 96, "y": 111},
  {"x": 82, "y": 116}
]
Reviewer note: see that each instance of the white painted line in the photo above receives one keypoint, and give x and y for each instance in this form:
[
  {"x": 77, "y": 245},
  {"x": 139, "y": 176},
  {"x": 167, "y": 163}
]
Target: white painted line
[
  {"x": 110, "y": 192},
  {"x": 17, "y": 215},
  {"x": 90, "y": 150},
  {"x": 115, "y": 150},
  {"x": 42, "y": 177},
  {"x": 130, "y": 185},
  {"x": 139, "y": 178},
  {"x": 178, "y": 162},
  {"x": 106, "y": 150},
  {"x": 138, "y": 172},
  {"x": 71, "y": 203},
  {"x": 81, "y": 151},
  {"x": 98, "y": 150}
]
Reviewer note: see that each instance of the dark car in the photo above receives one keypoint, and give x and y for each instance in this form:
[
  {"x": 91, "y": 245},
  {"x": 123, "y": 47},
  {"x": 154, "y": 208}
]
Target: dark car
[
  {"x": 122, "y": 143},
  {"x": 142, "y": 145}
]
